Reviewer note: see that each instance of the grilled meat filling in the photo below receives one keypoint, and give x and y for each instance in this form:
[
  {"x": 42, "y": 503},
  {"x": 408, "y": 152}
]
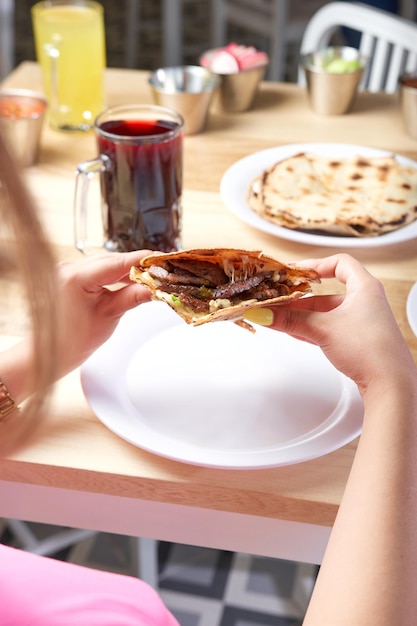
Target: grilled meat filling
[
  {"x": 198, "y": 284},
  {"x": 232, "y": 289},
  {"x": 212, "y": 274},
  {"x": 212, "y": 284}
]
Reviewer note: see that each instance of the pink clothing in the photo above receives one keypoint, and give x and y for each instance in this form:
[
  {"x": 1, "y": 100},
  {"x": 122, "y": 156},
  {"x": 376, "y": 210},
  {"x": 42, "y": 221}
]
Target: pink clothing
[{"x": 39, "y": 591}]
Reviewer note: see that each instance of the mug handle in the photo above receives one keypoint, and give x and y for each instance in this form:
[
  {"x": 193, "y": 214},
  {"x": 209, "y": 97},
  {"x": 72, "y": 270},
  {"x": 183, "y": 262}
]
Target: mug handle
[{"x": 84, "y": 174}]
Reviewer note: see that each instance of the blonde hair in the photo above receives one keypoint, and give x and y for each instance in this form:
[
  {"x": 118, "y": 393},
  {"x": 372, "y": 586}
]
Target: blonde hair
[{"x": 29, "y": 253}]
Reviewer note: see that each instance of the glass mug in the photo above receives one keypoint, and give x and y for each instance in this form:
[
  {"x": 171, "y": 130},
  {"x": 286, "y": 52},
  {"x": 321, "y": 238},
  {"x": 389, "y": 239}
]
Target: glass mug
[
  {"x": 140, "y": 164},
  {"x": 70, "y": 48}
]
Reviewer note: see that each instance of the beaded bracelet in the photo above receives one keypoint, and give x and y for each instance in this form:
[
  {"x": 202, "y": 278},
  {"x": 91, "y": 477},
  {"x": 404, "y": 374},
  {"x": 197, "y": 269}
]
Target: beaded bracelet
[{"x": 7, "y": 403}]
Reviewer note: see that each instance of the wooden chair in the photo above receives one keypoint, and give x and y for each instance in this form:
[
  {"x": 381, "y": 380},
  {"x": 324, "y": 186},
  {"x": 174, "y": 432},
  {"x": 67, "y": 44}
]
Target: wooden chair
[{"x": 388, "y": 41}]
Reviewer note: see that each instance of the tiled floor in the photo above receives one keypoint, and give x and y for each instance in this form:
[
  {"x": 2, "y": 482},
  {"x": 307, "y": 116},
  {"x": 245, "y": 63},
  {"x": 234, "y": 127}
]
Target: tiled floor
[{"x": 204, "y": 587}]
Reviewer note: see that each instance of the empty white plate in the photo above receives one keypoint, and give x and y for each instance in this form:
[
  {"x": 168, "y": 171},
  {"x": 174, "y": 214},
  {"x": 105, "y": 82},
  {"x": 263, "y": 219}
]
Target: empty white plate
[
  {"x": 218, "y": 395},
  {"x": 412, "y": 308}
]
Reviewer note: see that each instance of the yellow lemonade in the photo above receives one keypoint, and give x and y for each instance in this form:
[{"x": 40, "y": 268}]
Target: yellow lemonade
[{"x": 70, "y": 47}]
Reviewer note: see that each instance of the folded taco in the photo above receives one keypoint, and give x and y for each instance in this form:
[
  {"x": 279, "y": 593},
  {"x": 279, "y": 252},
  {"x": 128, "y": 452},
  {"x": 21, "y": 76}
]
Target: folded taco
[{"x": 205, "y": 285}]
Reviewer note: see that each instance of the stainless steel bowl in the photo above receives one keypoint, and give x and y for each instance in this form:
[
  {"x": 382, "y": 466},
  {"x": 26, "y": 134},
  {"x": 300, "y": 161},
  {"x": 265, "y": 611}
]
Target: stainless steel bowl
[
  {"x": 408, "y": 102},
  {"x": 22, "y": 113},
  {"x": 188, "y": 90},
  {"x": 332, "y": 93},
  {"x": 238, "y": 90}
]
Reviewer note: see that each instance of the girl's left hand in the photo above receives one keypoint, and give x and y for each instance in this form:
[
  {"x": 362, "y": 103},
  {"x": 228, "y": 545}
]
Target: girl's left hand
[{"x": 94, "y": 294}]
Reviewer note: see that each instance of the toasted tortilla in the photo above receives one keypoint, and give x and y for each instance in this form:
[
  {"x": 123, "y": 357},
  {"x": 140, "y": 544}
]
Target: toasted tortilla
[
  {"x": 358, "y": 196},
  {"x": 205, "y": 285}
]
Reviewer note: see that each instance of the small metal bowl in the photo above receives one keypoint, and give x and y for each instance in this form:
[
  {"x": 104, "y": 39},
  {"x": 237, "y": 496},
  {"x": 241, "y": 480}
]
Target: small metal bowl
[
  {"x": 332, "y": 93},
  {"x": 238, "y": 90},
  {"x": 408, "y": 102},
  {"x": 320, "y": 59},
  {"x": 186, "y": 89},
  {"x": 22, "y": 113}
]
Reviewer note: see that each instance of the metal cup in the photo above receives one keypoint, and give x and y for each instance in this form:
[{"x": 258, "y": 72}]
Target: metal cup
[
  {"x": 188, "y": 90},
  {"x": 332, "y": 93},
  {"x": 21, "y": 118},
  {"x": 408, "y": 103},
  {"x": 238, "y": 90}
]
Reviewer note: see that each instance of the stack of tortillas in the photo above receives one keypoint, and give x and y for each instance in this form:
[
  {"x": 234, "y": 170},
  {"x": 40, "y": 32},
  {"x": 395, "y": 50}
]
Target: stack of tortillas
[{"x": 357, "y": 196}]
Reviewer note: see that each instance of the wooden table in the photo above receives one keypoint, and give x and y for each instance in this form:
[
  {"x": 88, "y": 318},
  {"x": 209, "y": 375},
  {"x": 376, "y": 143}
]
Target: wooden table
[{"x": 78, "y": 473}]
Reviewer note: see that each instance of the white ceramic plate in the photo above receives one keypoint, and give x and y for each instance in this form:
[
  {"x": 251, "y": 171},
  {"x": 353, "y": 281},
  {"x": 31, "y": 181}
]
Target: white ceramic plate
[
  {"x": 218, "y": 395},
  {"x": 236, "y": 180},
  {"x": 412, "y": 308}
]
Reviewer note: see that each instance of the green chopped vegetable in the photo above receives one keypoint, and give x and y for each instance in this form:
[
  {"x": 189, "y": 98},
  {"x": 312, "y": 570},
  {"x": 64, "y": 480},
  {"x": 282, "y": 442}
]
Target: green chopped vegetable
[
  {"x": 342, "y": 66},
  {"x": 205, "y": 292}
]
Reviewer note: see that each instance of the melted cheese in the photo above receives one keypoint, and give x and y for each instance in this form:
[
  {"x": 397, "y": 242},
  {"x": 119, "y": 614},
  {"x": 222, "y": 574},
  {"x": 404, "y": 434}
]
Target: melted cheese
[{"x": 220, "y": 303}]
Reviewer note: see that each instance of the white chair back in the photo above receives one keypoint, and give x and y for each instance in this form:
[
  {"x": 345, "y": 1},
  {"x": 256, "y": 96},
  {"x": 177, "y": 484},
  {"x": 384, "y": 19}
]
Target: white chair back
[{"x": 388, "y": 41}]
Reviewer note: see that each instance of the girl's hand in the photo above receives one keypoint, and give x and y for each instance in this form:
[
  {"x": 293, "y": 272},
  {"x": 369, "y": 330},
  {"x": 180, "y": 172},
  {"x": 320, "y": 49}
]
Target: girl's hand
[
  {"x": 94, "y": 294},
  {"x": 357, "y": 330}
]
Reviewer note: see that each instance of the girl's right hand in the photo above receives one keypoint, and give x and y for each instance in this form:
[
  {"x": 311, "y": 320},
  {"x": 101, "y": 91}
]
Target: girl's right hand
[{"x": 356, "y": 330}]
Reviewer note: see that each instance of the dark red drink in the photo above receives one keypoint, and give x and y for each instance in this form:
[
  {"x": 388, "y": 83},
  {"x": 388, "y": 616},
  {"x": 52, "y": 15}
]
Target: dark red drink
[{"x": 141, "y": 183}]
